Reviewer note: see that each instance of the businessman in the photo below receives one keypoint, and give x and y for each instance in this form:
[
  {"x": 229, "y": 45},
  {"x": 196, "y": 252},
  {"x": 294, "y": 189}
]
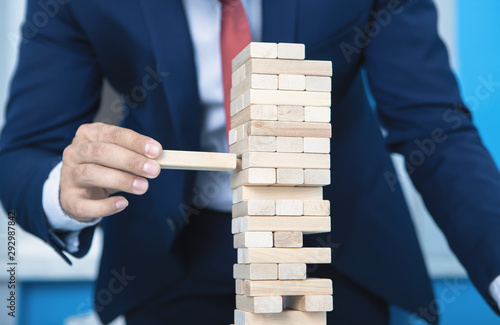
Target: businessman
[{"x": 167, "y": 255}]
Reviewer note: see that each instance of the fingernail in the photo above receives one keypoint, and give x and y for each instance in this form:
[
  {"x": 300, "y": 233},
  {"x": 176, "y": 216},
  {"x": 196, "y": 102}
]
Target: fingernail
[
  {"x": 121, "y": 204},
  {"x": 152, "y": 149},
  {"x": 140, "y": 185},
  {"x": 150, "y": 168}
]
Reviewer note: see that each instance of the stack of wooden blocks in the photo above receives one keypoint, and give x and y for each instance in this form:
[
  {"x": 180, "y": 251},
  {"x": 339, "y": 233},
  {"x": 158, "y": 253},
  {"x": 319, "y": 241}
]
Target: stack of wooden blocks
[{"x": 280, "y": 131}]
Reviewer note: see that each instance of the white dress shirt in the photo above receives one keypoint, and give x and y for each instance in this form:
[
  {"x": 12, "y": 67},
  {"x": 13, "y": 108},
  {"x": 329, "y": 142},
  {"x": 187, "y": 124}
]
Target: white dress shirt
[{"x": 212, "y": 187}]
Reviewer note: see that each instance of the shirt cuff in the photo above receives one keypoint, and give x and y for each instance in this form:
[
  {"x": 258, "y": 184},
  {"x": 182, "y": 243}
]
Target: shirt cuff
[
  {"x": 59, "y": 221},
  {"x": 495, "y": 290}
]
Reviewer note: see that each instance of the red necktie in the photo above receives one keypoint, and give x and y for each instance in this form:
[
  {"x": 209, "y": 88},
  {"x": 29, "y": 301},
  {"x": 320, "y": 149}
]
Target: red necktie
[{"x": 235, "y": 36}]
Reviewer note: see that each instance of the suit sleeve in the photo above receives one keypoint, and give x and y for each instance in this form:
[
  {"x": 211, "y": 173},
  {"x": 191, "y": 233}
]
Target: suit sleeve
[
  {"x": 419, "y": 105},
  {"x": 55, "y": 89}
]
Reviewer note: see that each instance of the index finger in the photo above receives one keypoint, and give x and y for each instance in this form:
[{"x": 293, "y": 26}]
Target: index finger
[{"x": 126, "y": 138}]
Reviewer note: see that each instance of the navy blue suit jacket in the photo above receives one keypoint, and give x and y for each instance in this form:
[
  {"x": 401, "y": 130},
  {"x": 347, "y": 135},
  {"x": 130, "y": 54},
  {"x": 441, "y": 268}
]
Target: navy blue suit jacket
[{"x": 57, "y": 88}]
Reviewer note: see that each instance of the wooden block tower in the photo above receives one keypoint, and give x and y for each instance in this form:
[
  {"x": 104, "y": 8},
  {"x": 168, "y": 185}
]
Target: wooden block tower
[{"x": 280, "y": 132}]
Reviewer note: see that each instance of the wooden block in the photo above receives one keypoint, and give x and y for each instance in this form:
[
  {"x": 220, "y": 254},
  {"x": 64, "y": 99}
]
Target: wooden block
[
  {"x": 292, "y": 271},
  {"x": 285, "y": 160},
  {"x": 254, "y": 143},
  {"x": 254, "y": 113},
  {"x": 291, "y": 82},
  {"x": 238, "y": 75},
  {"x": 242, "y": 132},
  {"x": 316, "y": 145},
  {"x": 291, "y": 113},
  {"x": 260, "y": 305},
  {"x": 289, "y": 129},
  {"x": 305, "y": 224},
  {"x": 255, "y": 271},
  {"x": 287, "y": 317},
  {"x": 302, "y": 67},
  {"x": 236, "y": 225},
  {"x": 237, "y": 105},
  {"x": 255, "y": 50},
  {"x": 285, "y": 97},
  {"x": 288, "y": 239},
  {"x": 291, "y": 51},
  {"x": 310, "y": 303},
  {"x": 289, "y": 176},
  {"x": 256, "y": 81},
  {"x": 317, "y": 114},
  {"x": 253, "y": 176},
  {"x": 317, "y": 208},
  {"x": 256, "y": 208},
  {"x": 317, "y": 177},
  {"x": 193, "y": 160},
  {"x": 289, "y": 207},
  {"x": 309, "y": 286},
  {"x": 253, "y": 239},
  {"x": 315, "y": 83},
  {"x": 316, "y": 255},
  {"x": 245, "y": 193},
  {"x": 239, "y": 287},
  {"x": 231, "y": 137},
  {"x": 290, "y": 144}
]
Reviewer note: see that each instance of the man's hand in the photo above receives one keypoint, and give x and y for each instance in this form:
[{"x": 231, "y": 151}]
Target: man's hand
[{"x": 102, "y": 160}]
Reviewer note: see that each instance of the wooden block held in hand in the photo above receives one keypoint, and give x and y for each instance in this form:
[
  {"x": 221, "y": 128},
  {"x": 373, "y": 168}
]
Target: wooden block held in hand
[
  {"x": 253, "y": 176},
  {"x": 316, "y": 145},
  {"x": 260, "y": 305},
  {"x": 288, "y": 239},
  {"x": 317, "y": 177},
  {"x": 289, "y": 129},
  {"x": 315, "y": 83},
  {"x": 317, "y": 114},
  {"x": 253, "y": 239},
  {"x": 255, "y": 271},
  {"x": 310, "y": 303},
  {"x": 290, "y": 113},
  {"x": 292, "y": 271},
  {"x": 196, "y": 160},
  {"x": 308, "y": 255},
  {"x": 317, "y": 207},
  {"x": 255, "y": 50},
  {"x": 291, "y": 82},
  {"x": 305, "y": 224},
  {"x": 289, "y": 176},
  {"x": 287, "y": 317},
  {"x": 245, "y": 193},
  {"x": 254, "y": 208},
  {"x": 289, "y": 144},
  {"x": 289, "y": 207},
  {"x": 309, "y": 286},
  {"x": 291, "y": 51}
]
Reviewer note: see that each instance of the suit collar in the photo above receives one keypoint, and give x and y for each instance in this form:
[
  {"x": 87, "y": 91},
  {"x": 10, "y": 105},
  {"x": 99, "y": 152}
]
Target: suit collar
[{"x": 174, "y": 54}]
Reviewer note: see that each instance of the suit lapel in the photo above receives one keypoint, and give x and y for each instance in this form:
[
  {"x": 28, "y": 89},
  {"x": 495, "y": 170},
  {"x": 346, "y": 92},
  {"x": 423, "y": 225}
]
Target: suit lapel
[
  {"x": 279, "y": 20},
  {"x": 173, "y": 51}
]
